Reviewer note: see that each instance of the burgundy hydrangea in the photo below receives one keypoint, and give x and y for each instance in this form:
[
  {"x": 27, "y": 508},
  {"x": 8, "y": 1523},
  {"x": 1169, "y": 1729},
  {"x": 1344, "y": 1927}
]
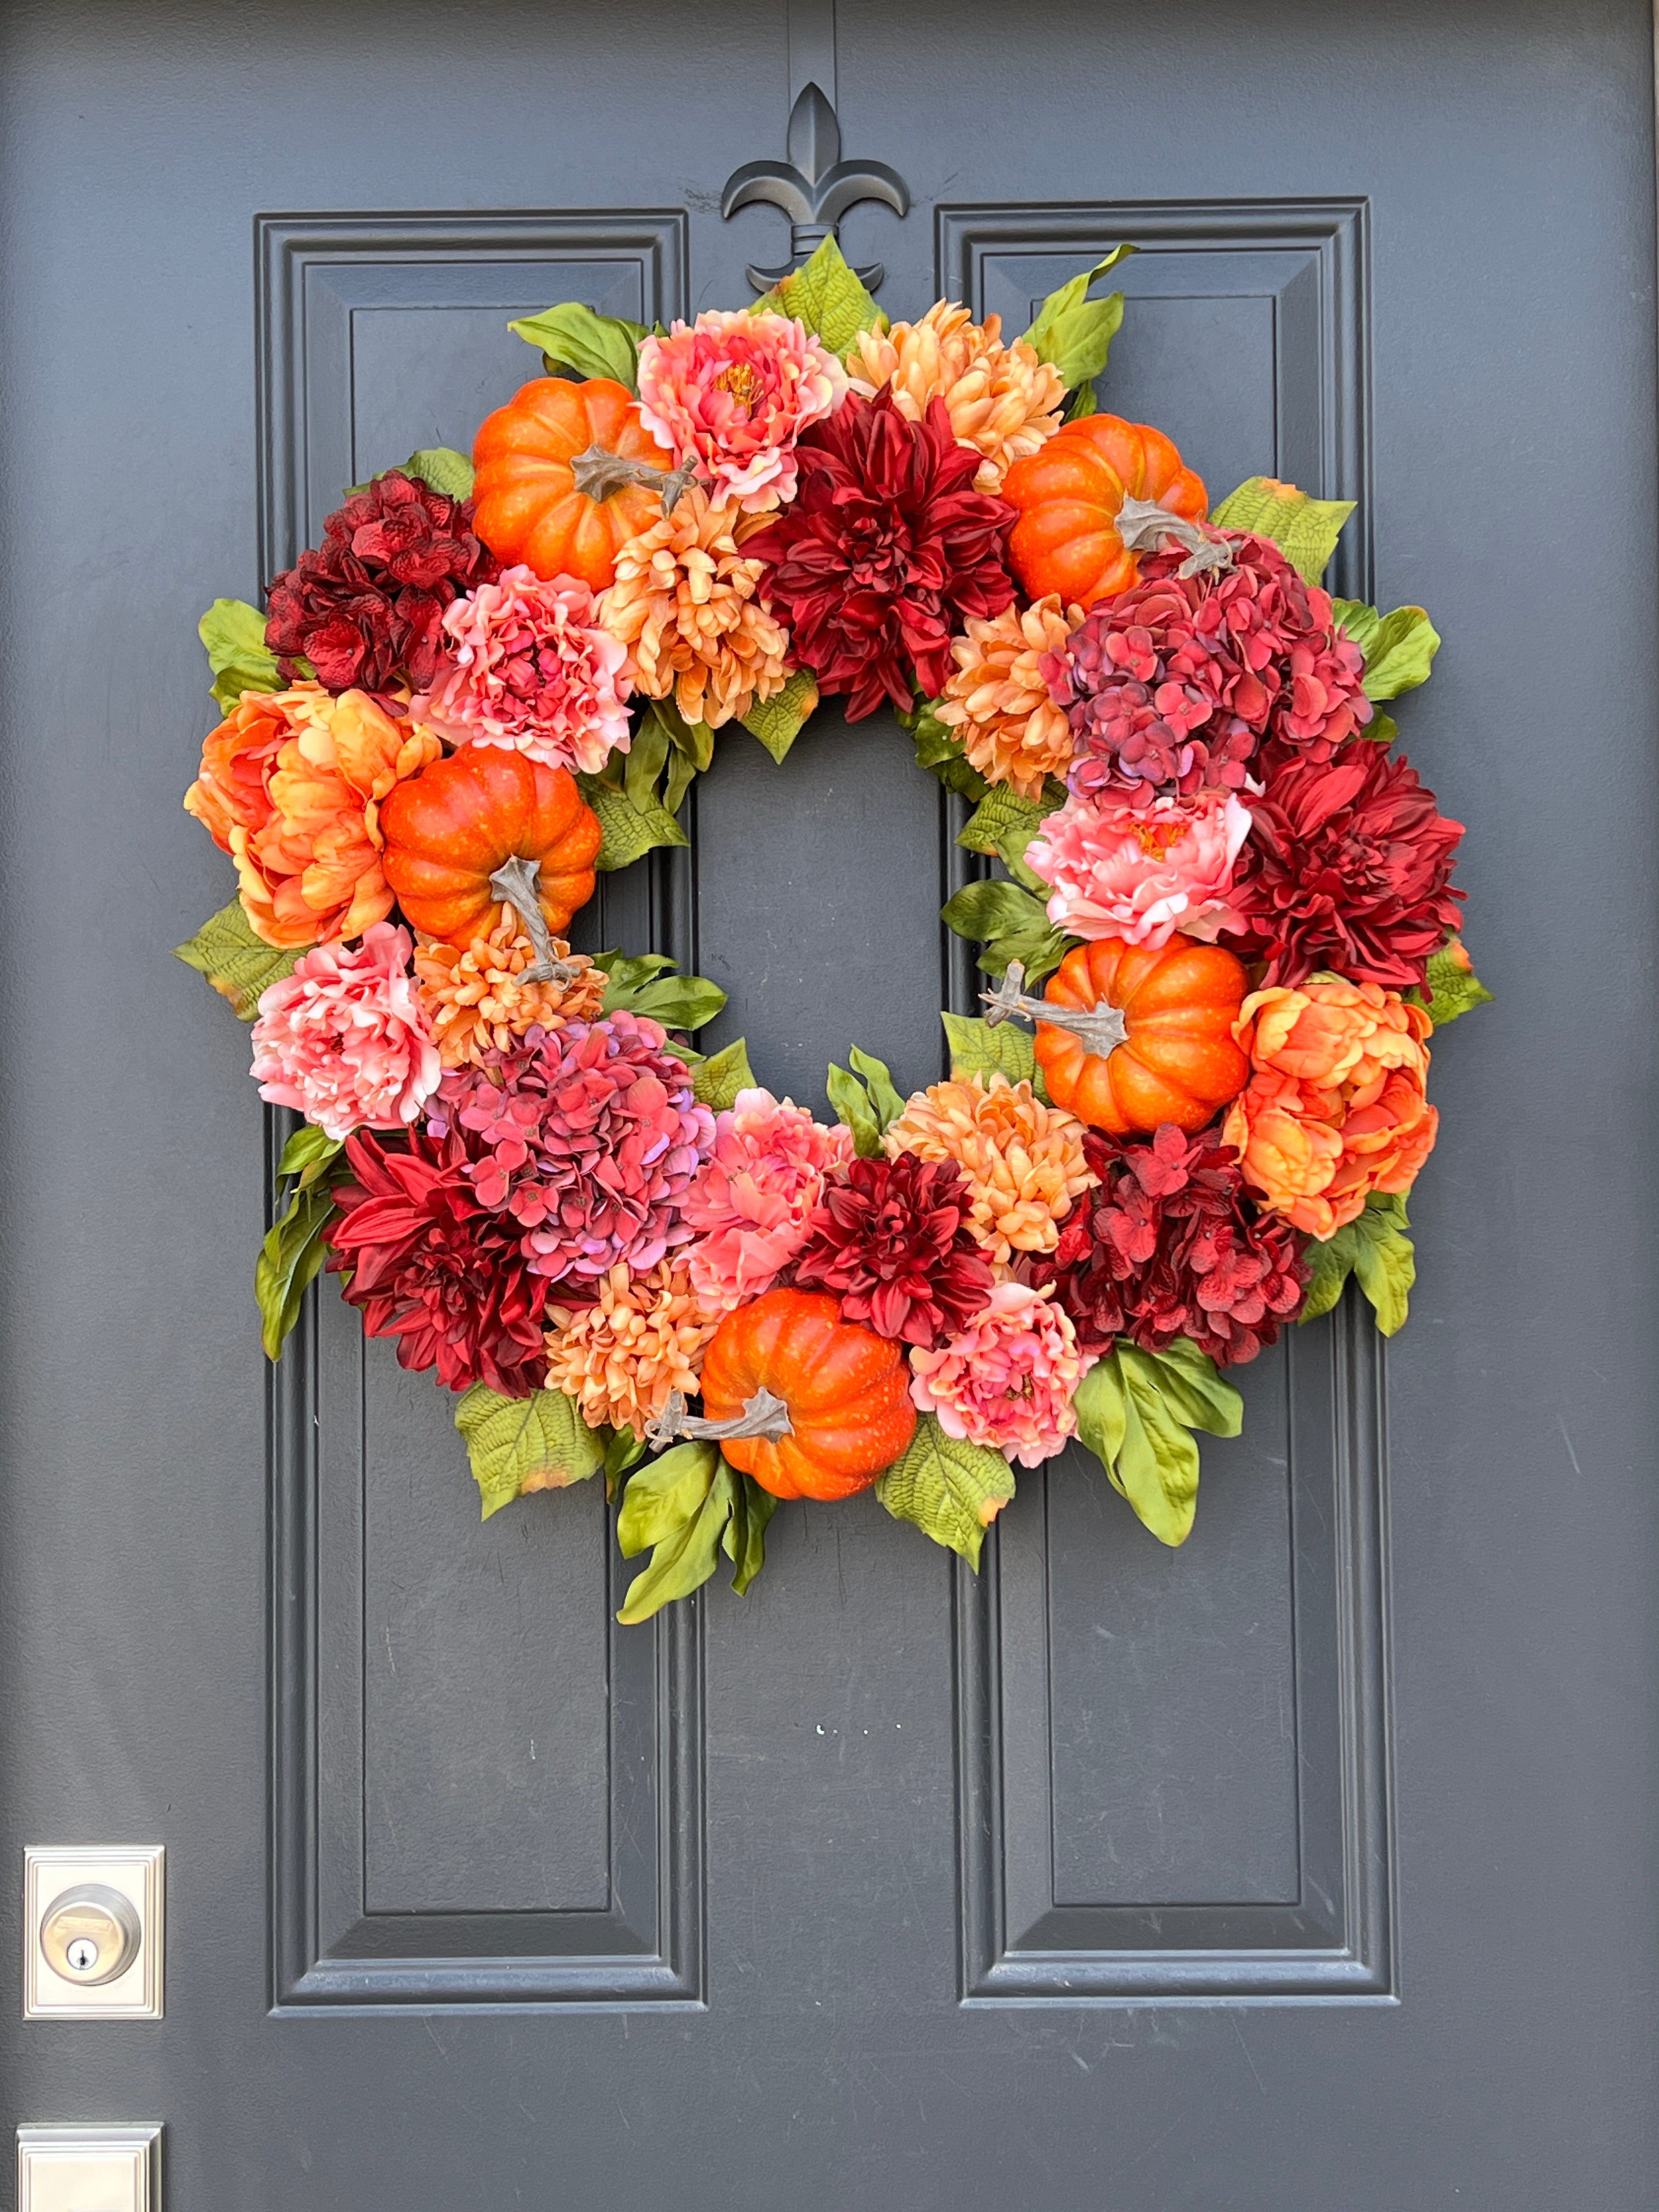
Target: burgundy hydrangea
[
  {"x": 1177, "y": 685},
  {"x": 430, "y": 1265},
  {"x": 1346, "y": 867},
  {"x": 891, "y": 1240},
  {"x": 1169, "y": 1245},
  {"x": 584, "y": 1138},
  {"x": 366, "y": 607},
  {"x": 885, "y": 552}
]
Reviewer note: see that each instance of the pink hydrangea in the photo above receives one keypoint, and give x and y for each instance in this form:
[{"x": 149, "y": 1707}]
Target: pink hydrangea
[
  {"x": 732, "y": 394},
  {"x": 753, "y": 1200},
  {"x": 530, "y": 670},
  {"x": 343, "y": 1039},
  {"x": 1008, "y": 1380},
  {"x": 1142, "y": 873}
]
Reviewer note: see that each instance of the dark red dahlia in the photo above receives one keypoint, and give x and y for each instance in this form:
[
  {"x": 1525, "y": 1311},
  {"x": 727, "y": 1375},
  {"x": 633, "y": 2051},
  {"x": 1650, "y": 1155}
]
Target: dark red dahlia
[
  {"x": 1176, "y": 684},
  {"x": 1169, "y": 1245},
  {"x": 885, "y": 552},
  {"x": 431, "y": 1265},
  {"x": 1346, "y": 867},
  {"x": 366, "y": 607},
  {"x": 891, "y": 1240}
]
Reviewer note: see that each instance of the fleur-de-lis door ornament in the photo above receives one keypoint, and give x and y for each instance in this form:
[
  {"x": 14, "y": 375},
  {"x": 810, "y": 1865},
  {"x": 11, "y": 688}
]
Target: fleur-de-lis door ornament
[{"x": 814, "y": 187}]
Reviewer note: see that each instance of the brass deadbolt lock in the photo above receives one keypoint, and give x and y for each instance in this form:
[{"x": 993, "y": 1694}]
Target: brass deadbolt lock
[{"x": 89, "y": 1935}]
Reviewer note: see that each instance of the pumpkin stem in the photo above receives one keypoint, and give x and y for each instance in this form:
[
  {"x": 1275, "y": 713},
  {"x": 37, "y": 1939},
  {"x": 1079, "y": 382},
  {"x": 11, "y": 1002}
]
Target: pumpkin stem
[
  {"x": 1102, "y": 1028},
  {"x": 763, "y": 1415},
  {"x": 514, "y": 884},
  {"x": 599, "y": 475},
  {"x": 1142, "y": 522}
]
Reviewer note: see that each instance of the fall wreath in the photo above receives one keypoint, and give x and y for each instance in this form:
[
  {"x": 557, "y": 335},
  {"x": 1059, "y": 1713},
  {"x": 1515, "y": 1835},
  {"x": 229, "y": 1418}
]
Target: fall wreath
[{"x": 497, "y": 675}]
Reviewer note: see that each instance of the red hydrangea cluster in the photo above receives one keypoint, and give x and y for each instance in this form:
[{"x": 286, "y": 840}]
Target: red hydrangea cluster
[
  {"x": 891, "y": 1240},
  {"x": 366, "y": 607},
  {"x": 1169, "y": 1245}
]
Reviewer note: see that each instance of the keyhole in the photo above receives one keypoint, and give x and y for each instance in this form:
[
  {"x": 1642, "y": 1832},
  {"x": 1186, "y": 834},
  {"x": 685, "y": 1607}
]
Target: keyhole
[{"x": 82, "y": 1955}]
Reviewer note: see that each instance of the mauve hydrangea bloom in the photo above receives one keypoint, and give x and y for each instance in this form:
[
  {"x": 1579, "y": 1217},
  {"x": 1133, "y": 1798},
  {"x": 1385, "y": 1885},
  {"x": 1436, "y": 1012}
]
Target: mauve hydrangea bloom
[
  {"x": 343, "y": 1039},
  {"x": 731, "y": 394},
  {"x": 1141, "y": 875},
  {"x": 753, "y": 1200},
  {"x": 1008, "y": 1380},
  {"x": 530, "y": 672}
]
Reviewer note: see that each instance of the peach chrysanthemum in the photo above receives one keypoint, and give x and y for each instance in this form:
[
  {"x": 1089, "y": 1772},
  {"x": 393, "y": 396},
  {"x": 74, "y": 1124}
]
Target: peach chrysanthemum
[
  {"x": 1002, "y": 399},
  {"x": 621, "y": 1358},
  {"x": 1023, "y": 1161},
  {"x": 684, "y": 604},
  {"x": 1012, "y": 731},
  {"x": 474, "y": 999}
]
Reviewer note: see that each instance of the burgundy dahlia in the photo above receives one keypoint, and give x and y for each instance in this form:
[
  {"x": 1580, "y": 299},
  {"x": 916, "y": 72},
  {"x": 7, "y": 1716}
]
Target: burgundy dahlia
[
  {"x": 1176, "y": 684},
  {"x": 891, "y": 1240},
  {"x": 431, "y": 1265},
  {"x": 366, "y": 607},
  {"x": 1346, "y": 867},
  {"x": 885, "y": 551},
  {"x": 1169, "y": 1245}
]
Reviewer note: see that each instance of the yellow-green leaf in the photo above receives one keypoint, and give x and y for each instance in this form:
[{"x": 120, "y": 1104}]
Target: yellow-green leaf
[
  {"x": 1010, "y": 924},
  {"x": 826, "y": 294},
  {"x": 952, "y": 1490},
  {"x": 939, "y": 750},
  {"x": 1377, "y": 1251},
  {"x": 238, "y": 964},
  {"x": 744, "y": 1540},
  {"x": 1005, "y": 823},
  {"x": 687, "y": 1554},
  {"x": 1135, "y": 1412},
  {"x": 516, "y": 1444},
  {"x": 444, "y": 469},
  {"x": 976, "y": 1048},
  {"x": 777, "y": 722},
  {"x": 663, "y": 1496},
  {"x": 630, "y": 831},
  {"x": 1075, "y": 332},
  {"x": 717, "y": 1082},
  {"x": 234, "y": 634},
  {"x": 572, "y": 337},
  {"x": 1399, "y": 648},
  {"x": 1304, "y": 530},
  {"x": 853, "y": 1110},
  {"x": 1453, "y": 987}
]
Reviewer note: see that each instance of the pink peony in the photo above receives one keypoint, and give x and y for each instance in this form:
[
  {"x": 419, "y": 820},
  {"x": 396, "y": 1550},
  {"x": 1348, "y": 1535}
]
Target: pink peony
[
  {"x": 732, "y": 394},
  {"x": 1008, "y": 1380},
  {"x": 529, "y": 669},
  {"x": 343, "y": 1039},
  {"x": 754, "y": 1197},
  {"x": 1141, "y": 874}
]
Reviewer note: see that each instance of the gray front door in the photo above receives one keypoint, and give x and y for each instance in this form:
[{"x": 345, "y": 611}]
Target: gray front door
[{"x": 1308, "y": 1869}]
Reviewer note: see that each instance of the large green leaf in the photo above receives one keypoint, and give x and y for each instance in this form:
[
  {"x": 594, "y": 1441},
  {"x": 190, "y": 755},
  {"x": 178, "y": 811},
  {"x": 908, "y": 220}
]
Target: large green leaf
[
  {"x": 1193, "y": 1386},
  {"x": 238, "y": 964},
  {"x": 976, "y": 1048},
  {"x": 1076, "y": 332},
  {"x": 630, "y": 831},
  {"x": 1399, "y": 648},
  {"x": 1375, "y": 1249},
  {"x": 293, "y": 1250},
  {"x": 234, "y": 634},
  {"x": 444, "y": 469},
  {"x": 1454, "y": 989},
  {"x": 744, "y": 1540},
  {"x": 515, "y": 1444},
  {"x": 951, "y": 1490},
  {"x": 939, "y": 750},
  {"x": 1005, "y": 823},
  {"x": 778, "y": 721},
  {"x": 1136, "y": 1411},
  {"x": 573, "y": 338},
  {"x": 685, "y": 1505},
  {"x": 1010, "y": 924},
  {"x": 865, "y": 1100},
  {"x": 646, "y": 984},
  {"x": 1304, "y": 530},
  {"x": 717, "y": 1082},
  {"x": 826, "y": 295},
  {"x": 662, "y": 1497}
]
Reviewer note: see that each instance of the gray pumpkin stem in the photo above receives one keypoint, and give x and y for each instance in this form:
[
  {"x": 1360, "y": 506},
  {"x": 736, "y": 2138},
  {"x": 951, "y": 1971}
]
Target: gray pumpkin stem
[
  {"x": 514, "y": 883},
  {"x": 1102, "y": 1028},
  {"x": 1142, "y": 522},
  {"x": 600, "y": 475},
  {"x": 764, "y": 1415}
]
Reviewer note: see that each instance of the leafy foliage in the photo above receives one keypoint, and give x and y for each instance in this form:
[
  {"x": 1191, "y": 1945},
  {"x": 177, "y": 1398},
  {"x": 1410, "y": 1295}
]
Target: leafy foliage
[
  {"x": 1076, "y": 332},
  {"x": 233, "y": 635},
  {"x": 1453, "y": 989},
  {"x": 444, "y": 469},
  {"x": 238, "y": 964},
  {"x": 865, "y": 1100},
  {"x": 687, "y": 1507},
  {"x": 1136, "y": 1411},
  {"x": 777, "y": 722},
  {"x": 1011, "y": 925},
  {"x": 576, "y": 341},
  {"x": 939, "y": 750},
  {"x": 825, "y": 294},
  {"x": 649, "y": 984},
  {"x": 1399, "y": 648},
  {"x": 976, "y": 1048},
  {"x": 951, "y": 1490},
  {"x": 293, "y": 1250},
  {"x": 540, "y": 1442},
  {"x": 631, "y": 828},
  {"x": 1304, "y": 530},
  {"x": 1376, "y": 1249},
  {"x": 1003, "y": 823},
  {"x": 719, "y": 1079}
]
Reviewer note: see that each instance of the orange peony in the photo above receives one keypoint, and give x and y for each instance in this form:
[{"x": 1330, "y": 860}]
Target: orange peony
[
  {"x": 1335, "y": 1109},
  {"x": 290, "y": 788}
]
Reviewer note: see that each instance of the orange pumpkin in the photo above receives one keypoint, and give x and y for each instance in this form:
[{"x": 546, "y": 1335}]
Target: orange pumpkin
[
  {"x": 847, "y": 1392},
  {"x": 526, "y": 503},
  {"x": 450, "y": 828},
  {"x": 1068, "y": 494},
  {"x": 1177, "y": 1060}
]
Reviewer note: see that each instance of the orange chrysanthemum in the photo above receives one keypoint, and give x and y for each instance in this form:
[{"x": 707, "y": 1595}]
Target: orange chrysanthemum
[
  {"x": 1023, "y": 1161},
  {"x": 1002, "y": 399},
  {"x": 1012, "y": 731},
  {"x": 621, "y": 1358},
  {"x": 474, "y": 999}
]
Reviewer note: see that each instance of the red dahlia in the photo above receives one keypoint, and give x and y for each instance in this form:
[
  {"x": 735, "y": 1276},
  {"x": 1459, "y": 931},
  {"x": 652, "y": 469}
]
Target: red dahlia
[
  {"x": 366, "y": 607},
  {"x": 884, "y": 553},
  {"x": 892, "y": 1242},
  {"x": 1169, "y": 1245},
  {"x": 1346, "y": 867},
  {"x": 433, "y": 1267}
]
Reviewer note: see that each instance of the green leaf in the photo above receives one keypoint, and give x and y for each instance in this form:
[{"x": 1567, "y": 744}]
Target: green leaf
[
  {"x": 1376, "y": 1249},
  {"x": 951, "y": 1490},
  {"x": 1003, "y": 823},
  {"x": 663, "y": 1496},
  {"x": 744, "y": 1540},
  {"x": 976, "y": 1048},
  {"x": 851, "y": 1104},
  {"x": 777, "y": 722},
  {"x": 290, "y": 1257},
  {"x": 1194, "y": 1389},
  {"x": 1304, "y": 530},
  {"x": 1084, "y": 402},
  {"x": 828, "y": 297},
  {"x": 686, "y": 1553},
  {"x": 623, "y": 1453},
  {"x": 939, "y": 750},
  {"x": 696, "y": 740},
  {"x": 1010, "y": 924},
  {"x": 1098, "y": 1403},
  {"x": 630, "y": 831},
  {"x": 238, "y": 964},
  {"x": 234, "y": 634},
  {"x": 307, "y": 1152},
  {"x": 515, "y": 1444},
  {"x": 1399, "y": 648},
  {"x": 1135, "y": 1412},
  {"x": 1333, "y": 1264},
  {"x": 717, "y": 1082},
  {"x": 1076, "y": 332},
  {"x": 878, "y": 1081},
  {"x": 1452, "y": 986},
  {"x": 646, "y": 984},
  {"x": 1381, "y": 730},
  {"x": 444, "y": 469},
  {"x": 571, "y": 337}
]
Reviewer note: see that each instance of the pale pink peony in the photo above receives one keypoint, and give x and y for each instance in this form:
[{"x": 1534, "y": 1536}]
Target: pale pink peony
[
  {"x": 529, "y": 670},
  {"x": 1114, "y": 872},
  {"x": 732, "y": 394},
  {"x": 753, "y": 1200},
  {"x": 343, "y": 1039},
  {"x": 1008, "y": 1380}
]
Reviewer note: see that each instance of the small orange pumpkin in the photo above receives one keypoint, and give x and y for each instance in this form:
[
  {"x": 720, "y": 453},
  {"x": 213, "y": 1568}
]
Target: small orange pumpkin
[
  {"x": 526, "y": 505},
  {"x": 1068, "y": 494},
  {"x": 1177, "y": 1060},
  {"x": 450, "y": 828},
  {"x": 847, "y": 1392}
]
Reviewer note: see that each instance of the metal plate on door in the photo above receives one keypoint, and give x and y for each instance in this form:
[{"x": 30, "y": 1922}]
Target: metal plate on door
[
  {"x": 92, "y": 1932},
  {"x": 89, "y": 2169}
]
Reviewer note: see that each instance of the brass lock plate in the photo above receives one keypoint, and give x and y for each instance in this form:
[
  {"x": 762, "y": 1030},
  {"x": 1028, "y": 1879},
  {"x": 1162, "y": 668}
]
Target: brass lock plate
[{"x": 92, "y": 1932}]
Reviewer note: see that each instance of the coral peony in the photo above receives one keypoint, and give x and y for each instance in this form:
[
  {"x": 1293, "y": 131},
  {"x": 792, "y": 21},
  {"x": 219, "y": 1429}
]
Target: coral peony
[
  {"x": 731, "y": 395},
  {"x": 886, "y": 550},
  {"x": 1002, "y": 399},
  {"x": 290, "y": 788},
  {"x": 997, "y": 703},
  {"x": 476, "y": 999},
  {"x": 530, "y": 670},
  {"x": 891, "y": 1239},
  {"x": 622, "y": 1357},
  {"x": 1335, "y": 1109},
  {"x": 366, "y": 607},
  {"x": 1023, "y": 1161},
  {"x": 1114, "y": 873},
  {"x": 752, "y": 1201},
  {"x": 1007, "y": 1380},
  {"x": 343, "y": 1039}
]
